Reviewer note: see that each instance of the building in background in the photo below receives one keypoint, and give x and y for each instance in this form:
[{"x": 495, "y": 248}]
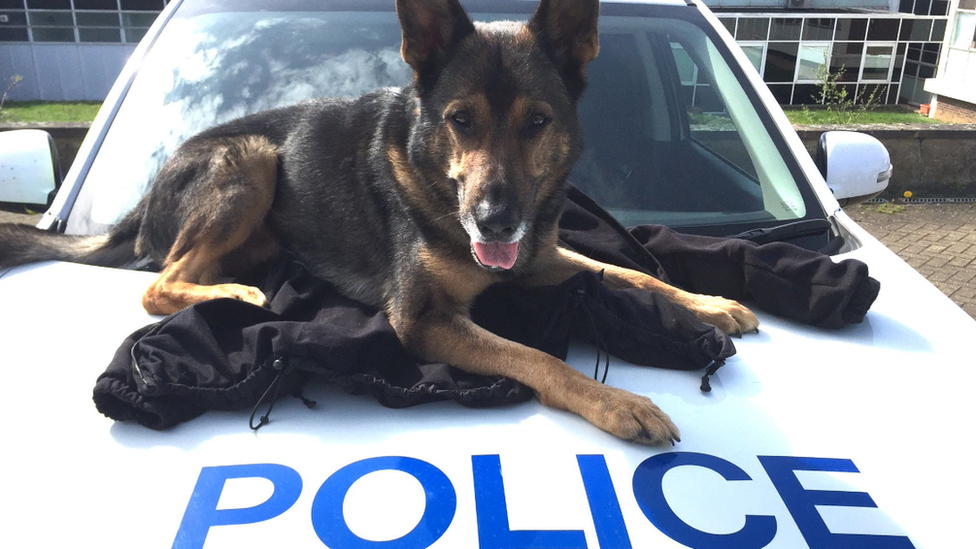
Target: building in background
[
  {"x": 888, "y": 52},
  {"x": 954, "y": 86},
  {"x": 69, "y": 49},
  {"x": 73, "y": 49}
]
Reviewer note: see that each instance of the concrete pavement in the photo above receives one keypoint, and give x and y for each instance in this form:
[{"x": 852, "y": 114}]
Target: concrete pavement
[{"x": 937, "y": 239}]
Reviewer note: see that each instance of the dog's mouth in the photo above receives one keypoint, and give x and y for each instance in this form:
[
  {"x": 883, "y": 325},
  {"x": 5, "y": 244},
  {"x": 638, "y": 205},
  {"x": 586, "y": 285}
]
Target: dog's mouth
[{"x": 496, "y": 255}]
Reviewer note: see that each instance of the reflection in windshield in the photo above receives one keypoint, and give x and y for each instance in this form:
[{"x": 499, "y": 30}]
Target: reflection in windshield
[
  {"x": 671, "y": 133},
  {"x": 218, "y": 67}
]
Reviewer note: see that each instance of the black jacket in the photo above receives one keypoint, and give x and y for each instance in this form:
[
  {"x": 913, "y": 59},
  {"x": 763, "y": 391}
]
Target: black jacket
[{"x": 226, "y": 354}]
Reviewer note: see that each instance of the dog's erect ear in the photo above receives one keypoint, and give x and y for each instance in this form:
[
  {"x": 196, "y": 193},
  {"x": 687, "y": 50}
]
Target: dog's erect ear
[
  {"x": 567, "y": 31},
  {"x": 430, "y": 29}
]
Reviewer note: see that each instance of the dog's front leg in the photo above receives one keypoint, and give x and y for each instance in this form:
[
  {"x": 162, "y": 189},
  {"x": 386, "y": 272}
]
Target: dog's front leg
[
  {"x": 727, "y": 315},
  {"x": 455, "y": 339}
]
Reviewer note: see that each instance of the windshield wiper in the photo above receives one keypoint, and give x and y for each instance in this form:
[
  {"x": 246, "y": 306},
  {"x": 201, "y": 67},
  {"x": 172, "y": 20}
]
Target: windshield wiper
[{"x": 786, "y": 231}]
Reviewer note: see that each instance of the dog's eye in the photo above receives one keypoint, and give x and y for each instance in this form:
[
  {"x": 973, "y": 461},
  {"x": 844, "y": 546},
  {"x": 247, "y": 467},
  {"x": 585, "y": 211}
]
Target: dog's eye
[
  {"x": 461, "y": 118},
  {"x": 538, "y": 120}
]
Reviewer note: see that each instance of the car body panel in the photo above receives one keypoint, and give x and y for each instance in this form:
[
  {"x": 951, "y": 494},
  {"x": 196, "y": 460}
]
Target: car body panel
[{"x": 883, "y": 395}]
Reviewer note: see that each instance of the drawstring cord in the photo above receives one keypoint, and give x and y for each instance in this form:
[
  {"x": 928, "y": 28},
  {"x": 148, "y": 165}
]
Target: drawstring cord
[
  {"x": 281, "y": 367},
  {"x": 278, "y": 365},
  {"x": 601, "y": 348},
  {"x": 710, "y": 370}
]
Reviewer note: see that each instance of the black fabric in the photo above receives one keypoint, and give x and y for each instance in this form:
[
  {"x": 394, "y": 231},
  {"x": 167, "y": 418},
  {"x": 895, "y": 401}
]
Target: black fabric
[
  {"x": 226, "y": 354},
  {"x": 220, "y": 354}
]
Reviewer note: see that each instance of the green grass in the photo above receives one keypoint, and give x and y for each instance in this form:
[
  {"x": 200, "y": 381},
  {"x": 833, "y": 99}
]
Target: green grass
[
  {"x": 49, "y": 111},
  {"x": 84, "y": 111},
  {"x": 800, "y": 116}
]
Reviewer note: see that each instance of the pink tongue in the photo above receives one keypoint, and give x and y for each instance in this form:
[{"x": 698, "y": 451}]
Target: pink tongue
[{"x": 497, "y": 254}]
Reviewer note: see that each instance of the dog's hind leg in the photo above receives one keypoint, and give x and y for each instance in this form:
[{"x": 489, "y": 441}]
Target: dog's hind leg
[{"x": 225, "y": 216}]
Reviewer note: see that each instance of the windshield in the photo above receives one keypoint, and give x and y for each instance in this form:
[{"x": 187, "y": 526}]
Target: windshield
[{"x": 672, "y": 136}]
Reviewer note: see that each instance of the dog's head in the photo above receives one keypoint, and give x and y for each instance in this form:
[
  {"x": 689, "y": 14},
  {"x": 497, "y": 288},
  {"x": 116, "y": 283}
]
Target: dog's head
[{"x": 496, "y": 118}]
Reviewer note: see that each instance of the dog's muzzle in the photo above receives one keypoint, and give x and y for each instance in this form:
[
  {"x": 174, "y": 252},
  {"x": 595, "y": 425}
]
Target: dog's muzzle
[{"x": 495, "y": 234}]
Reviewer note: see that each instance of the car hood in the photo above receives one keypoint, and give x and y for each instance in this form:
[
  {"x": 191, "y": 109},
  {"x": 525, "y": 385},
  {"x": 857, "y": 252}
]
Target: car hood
[{"x": 809, "y": 438}]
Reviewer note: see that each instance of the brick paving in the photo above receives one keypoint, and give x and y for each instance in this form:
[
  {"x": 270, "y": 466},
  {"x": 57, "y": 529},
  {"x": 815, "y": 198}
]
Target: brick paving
[{"x": 938, "y": 240}]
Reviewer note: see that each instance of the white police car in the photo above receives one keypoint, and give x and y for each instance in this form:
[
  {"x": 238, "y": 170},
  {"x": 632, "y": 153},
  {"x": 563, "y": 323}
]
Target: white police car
[{"x": 809, "y": 438}]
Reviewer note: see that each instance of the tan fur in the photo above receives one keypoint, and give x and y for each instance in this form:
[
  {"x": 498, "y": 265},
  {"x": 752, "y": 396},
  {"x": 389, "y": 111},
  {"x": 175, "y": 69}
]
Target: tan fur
[
  {"x": 726, "y": 314},
  {"x": 207, "y": 239}
]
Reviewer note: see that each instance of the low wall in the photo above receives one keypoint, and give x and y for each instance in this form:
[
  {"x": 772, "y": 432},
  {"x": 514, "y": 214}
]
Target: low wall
[{"x": 931, "y": 161}]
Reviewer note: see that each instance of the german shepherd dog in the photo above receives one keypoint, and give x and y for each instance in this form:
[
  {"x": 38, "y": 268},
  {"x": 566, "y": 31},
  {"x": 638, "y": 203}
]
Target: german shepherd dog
[{"x": 413, "y": 200}]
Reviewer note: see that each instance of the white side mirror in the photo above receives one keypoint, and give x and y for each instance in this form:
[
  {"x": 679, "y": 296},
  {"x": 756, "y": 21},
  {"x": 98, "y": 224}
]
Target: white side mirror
[
  {"x": 856, "y": 166},
  {"x": 29, "y": 167}
]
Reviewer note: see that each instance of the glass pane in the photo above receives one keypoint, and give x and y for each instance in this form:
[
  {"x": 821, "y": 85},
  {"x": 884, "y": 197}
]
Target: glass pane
[
  {"x": 785, "y": 29},
  {"x": 218, "y": 66},
  {"x": 133, "y": 35},
  {"x": 877, "y": 63},
  {"x": 53, "y": 34},
  {"x": 752, "y": 28},
  {"x": 806, "y": 94},
  {"x": 812, "y": 59},
  {"x": 146, "y": 5},
  {"x": 96, "y": 5},
  {"x": 939, "y": 7},
  {"x": 99, "y": 35},
  {"x": 782, "y": 93},
  {"x": 922, "y": 7},
  {"x": 728, "y": 23},
  {"x": 14, "y": 18},
  {"x": 847, "y": 57},
  {"x": 818, "y": 29},
  {"x": 883, "y": 29},
  {"x": 138, "y": 19},
  {"x": 49, "y": 4},
  {"x": 851, "y": 29},
  {"x": 938, "y": 30},
  {"x": 97, "y": 19},
  {"x": 50, "y": 18},
  {"x": 962, "y": 32},
  {"x": 755, "y": 55},
  {"x": 920, "y": 30},
  {"x": 967, "y": 4},
  {"x": 13, "y": 34},
  {"x": 780, "y": 62}
]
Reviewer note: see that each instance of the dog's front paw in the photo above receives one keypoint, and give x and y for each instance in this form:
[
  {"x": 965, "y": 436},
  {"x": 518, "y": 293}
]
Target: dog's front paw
[
  {"x": 634, "y": 417},
  {"x": 725, "y": 314},
  {"x": 248, "y": 294}
]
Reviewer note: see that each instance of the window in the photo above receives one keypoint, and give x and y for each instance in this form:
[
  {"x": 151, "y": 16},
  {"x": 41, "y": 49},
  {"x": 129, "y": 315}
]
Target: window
[
  {"x": 876, "y": 66},
  {"x": 812, "y": 59},
  {"x": 964, "y": 30},
  {"x": 756, "y": 52},
  {"x": 101, "y": 21}
]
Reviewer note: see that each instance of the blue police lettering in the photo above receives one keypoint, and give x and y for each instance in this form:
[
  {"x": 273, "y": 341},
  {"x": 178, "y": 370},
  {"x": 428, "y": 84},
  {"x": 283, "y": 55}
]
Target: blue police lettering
[
  {"x": 758, "y": 531},
  {"x": 491, "y": 507},
  {"x": 202, "y": 513},
  {"x": 802, "y": 503},
  {"x": 441, "y": 502}
]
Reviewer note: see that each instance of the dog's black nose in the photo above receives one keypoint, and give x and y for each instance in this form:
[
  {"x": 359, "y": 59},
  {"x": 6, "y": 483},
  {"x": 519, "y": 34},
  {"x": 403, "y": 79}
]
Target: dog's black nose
[{"x": 497, "y": 222}]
